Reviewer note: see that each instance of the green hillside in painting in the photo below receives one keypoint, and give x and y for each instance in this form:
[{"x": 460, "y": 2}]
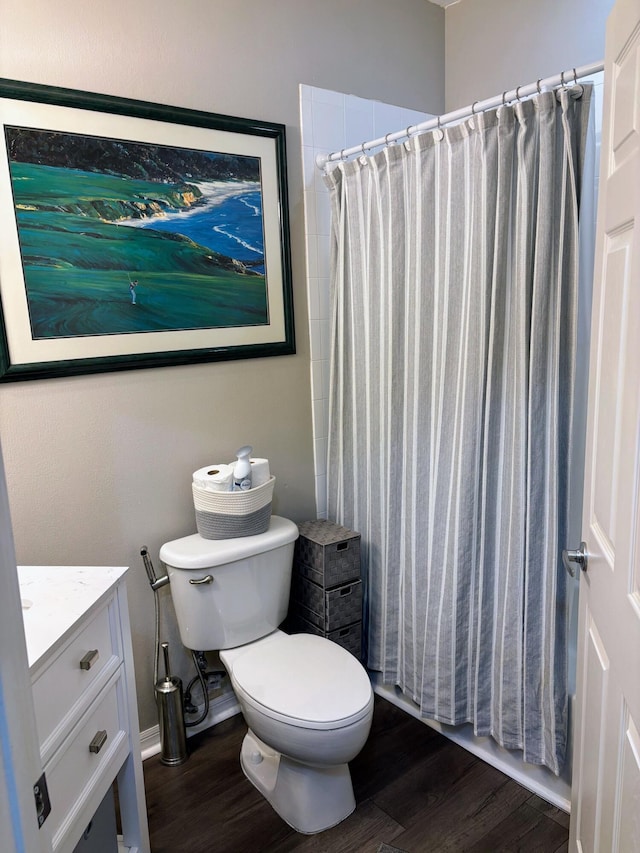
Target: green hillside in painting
[{"x": 78, "y": 257}]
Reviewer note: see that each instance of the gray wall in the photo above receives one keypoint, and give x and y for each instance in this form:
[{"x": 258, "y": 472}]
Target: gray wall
[
  {"x": 496, "y": 45},
  {"x": 99, "y": 465}
]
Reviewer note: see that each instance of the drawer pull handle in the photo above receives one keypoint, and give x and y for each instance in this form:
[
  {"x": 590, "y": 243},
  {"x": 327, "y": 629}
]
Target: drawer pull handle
[
  {"x": 206, "y": 579},
  {"x": 99, "y": 740},
  {"x": 89, "y": 659}
]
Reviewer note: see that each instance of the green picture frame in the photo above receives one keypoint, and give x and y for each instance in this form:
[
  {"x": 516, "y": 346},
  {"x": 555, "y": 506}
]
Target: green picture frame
[{"x": 137, "y": 235}]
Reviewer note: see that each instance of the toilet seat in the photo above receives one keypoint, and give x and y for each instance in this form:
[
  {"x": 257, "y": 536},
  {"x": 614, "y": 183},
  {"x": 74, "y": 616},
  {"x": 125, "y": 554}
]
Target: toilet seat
[{"x": 301, "y": 679}]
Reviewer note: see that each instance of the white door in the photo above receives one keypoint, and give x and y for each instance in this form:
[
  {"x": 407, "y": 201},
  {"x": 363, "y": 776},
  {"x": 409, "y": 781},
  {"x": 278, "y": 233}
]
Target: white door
[
  {"x": 20, "y": 766},
  {"x": 605, "y": 813}
]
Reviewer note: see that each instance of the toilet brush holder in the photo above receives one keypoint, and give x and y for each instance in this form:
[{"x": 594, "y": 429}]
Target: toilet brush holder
[{"x": 173, "y": 733}]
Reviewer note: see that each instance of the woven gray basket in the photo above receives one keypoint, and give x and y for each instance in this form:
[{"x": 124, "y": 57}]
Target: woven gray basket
[{"x": 229, "y": 515}]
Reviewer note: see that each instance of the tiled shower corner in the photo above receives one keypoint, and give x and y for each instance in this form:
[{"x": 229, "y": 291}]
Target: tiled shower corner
[{"x": 331, "y": 121}]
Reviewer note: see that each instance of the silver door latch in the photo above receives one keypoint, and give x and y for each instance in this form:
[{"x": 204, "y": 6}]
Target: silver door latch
[{"x": 579, "y": 557}]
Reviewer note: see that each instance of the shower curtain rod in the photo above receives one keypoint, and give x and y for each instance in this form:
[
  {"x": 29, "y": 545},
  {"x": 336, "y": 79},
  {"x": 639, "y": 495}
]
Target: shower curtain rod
[{"x": 563, "y": 79}]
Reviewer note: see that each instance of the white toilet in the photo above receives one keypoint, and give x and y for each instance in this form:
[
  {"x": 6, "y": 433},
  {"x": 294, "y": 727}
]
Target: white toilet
[{"x": 307, "y": 701}]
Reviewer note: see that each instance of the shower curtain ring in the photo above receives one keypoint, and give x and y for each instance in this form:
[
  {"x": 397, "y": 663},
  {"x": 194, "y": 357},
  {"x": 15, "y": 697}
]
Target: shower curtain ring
[
  {"x": 386, "y": 139},
  {"x": 362, "y": 147},
  {"x": 342, "y": 150},
  {"x": 575, "y": 77},
  {"x": 407, "y": 142},
  {"x": 538, "y": 86},
  {"x": 504, "y": 102},
  {"x": 473, "y": 108},
  {"x": 518, "y": 93},
  {"x": 562, "y": 83}
]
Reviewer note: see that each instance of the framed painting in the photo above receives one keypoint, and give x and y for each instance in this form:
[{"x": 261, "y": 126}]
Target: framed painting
[{"x": 136, "y": 235}]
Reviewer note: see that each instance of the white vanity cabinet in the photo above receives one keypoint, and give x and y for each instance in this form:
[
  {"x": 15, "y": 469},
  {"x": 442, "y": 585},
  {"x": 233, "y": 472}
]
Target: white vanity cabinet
[{"x": 81, "y": 665}]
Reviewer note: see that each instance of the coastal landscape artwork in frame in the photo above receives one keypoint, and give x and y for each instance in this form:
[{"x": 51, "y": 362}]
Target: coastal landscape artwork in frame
[{"x": 137, "y": 235}]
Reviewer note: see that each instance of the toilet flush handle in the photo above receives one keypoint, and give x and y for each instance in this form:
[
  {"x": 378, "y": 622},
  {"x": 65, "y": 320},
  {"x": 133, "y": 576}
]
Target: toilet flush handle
[{"x": 198, "y": 581}]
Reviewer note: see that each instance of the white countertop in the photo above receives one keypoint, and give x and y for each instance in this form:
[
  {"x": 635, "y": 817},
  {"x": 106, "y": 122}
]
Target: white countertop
[{"x": 55, "y": 597}]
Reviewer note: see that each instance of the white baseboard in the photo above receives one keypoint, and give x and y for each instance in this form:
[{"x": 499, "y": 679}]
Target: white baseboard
[{"x": 220, "y": 708}]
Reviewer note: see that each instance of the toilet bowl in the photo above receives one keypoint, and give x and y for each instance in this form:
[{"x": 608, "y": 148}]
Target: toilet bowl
[
  {"x": 303, "y": 695},
  {"x": 307, "y": 702}
]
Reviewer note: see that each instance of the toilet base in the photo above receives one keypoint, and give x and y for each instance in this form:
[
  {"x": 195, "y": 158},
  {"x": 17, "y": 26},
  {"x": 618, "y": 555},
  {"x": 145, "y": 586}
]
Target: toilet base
[{"x": 310, "y": 799}]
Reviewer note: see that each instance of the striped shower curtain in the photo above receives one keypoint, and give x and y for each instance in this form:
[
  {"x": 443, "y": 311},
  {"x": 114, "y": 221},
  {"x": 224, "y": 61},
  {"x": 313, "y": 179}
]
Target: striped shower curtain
[{"x": 454, "y": 291}]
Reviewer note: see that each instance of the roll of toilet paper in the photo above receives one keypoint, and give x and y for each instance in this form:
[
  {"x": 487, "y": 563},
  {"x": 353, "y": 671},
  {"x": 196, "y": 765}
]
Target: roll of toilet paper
[
  {"x": 214, "y": 478},
  {"x": 260, "y": 472}
]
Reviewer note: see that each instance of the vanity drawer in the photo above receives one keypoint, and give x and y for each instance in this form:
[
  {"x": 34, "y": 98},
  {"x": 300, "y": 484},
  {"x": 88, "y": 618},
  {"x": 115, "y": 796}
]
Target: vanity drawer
[
  {"x": 72, "y": 680},
  {"x": 76, "y": 772}
]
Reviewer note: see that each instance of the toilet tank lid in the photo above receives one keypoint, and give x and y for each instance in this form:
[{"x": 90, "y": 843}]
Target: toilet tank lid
[{"x": 194, "y": 552}]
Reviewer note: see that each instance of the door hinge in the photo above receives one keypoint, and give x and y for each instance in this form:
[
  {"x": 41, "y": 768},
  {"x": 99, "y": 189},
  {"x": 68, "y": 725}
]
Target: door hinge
[{"x": 41, "y": 796}]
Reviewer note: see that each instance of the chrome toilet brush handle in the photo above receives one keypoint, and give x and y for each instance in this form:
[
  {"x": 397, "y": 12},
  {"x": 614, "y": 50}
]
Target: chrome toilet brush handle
[{"x": 165, "y": 652}]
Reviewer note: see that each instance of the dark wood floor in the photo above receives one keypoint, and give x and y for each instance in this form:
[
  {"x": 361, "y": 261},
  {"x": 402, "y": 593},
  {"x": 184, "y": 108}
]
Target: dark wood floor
[{"x": 415, "y": 791}]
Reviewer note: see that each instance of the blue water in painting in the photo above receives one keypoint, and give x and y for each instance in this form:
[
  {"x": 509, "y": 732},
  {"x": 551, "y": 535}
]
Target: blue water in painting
[{"x": 232, "y": 227}]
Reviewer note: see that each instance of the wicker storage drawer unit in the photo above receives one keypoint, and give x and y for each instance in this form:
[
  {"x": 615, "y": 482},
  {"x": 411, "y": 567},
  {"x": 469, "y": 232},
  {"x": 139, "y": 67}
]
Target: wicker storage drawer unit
[{"x": 326, "y": 589}]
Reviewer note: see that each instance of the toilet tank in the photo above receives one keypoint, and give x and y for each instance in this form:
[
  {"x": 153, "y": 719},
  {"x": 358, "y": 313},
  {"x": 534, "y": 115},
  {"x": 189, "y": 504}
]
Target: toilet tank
[{"x": 227, "y": 592}]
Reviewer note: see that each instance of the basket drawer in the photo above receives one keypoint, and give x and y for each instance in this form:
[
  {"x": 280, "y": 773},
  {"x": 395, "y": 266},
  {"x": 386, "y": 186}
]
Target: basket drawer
[
  {"x": 327, "y": 553},
  {"x": 328, "y": 608},
  {"x": 349, "y": 637}
]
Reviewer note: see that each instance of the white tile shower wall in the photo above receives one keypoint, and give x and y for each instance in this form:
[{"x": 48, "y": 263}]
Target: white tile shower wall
[{"x": 331, "y": 121}]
